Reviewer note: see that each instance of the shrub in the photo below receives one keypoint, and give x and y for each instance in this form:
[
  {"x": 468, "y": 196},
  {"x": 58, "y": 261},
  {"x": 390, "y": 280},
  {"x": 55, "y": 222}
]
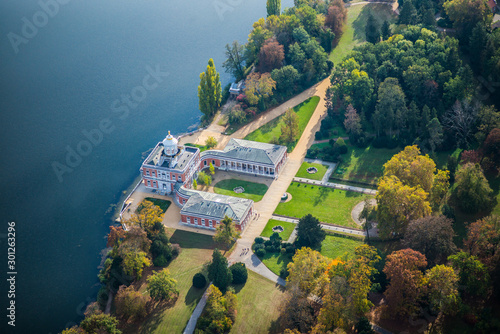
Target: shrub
[
  {"x": 275, "y": 237},
  {"x": 259, "y": 240},
  {"x": 268, "y": 243},
  {"x": 318, "y": 135},
  {"x": 160, "y": 261},
  {"x": 199, "y": 281},
  {"x": 240, "y": 274},
  {"x": 258, "y": 246},
  {"x": 290, "y": 249},
  {"x": 283, "y": 251},
  {"x": 270, "y": 249},
  {"x": 260, "y": 252}
]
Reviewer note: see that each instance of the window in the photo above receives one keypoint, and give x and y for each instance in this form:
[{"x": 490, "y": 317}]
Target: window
[
  {"x": 204, "y": 162},
  {"x": 188, "y": 220},
  {"x": 203, "y": 222},
  {"x": 196, "y": 220},
  {"x": 147, "y": 172},
  {"x": 213, "y": 162},
  {"x": 179, "y": 178},
  {"x": 210, "y": 223}
]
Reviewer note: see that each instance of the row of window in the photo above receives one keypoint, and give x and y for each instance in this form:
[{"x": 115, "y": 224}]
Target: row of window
[
  {"x": 210, "y": 222},
  {"x": 164, "y": 175}
]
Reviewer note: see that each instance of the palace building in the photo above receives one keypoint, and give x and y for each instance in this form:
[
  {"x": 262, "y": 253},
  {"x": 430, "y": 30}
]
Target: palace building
[{"x": 170, "y": 169}]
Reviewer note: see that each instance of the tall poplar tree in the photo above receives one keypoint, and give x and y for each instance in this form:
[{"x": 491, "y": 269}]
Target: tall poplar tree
[
  {"x": 273, "y": 7},
  {"x": 209, "y": 90}
]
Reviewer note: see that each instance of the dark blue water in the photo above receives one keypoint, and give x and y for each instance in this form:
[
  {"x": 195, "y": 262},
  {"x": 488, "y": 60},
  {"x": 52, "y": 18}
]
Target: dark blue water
[{"x": 62, "y": 81}]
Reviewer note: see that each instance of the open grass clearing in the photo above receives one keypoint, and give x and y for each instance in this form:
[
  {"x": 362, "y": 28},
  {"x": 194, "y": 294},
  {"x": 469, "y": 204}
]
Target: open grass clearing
[
  {"x": 354, "y": 31},
  {"x": 316, "y": 176},
  {"x": 276, "y": 261},
  {"x": 258, "y": 305},
  {"x": 336, "y": 247},
  {"x": 196, "y": 249},
  {"x": 329, "y": 205},
  {"x": 253, "y": 191},
  {"x": 287, "y": 226},
  {"x": 363, "y": 165},
  {"x": 271, "y": 131}
]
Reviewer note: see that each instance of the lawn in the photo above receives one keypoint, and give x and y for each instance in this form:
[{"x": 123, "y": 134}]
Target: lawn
[
  {"x": 201, "y": 147},
  {"x": 363, "y": 165},
  {"x": 354, "y": 32},
  {"x": 272, "y": 130},
  {"x": 276, "y": 261},
  {"x": 258, "y": 305},
  {"x": 441, "y": 158},
  {"x": 288, "y": 229},
  {"x": 196, "y": 249},
  {"x": 162, "y": 203},
  {"x": 316, "y": 176},
  {"x": 253, "y": 191},
  {"x": 335, "y": 247},
  {"x": 329, "y": 205}
]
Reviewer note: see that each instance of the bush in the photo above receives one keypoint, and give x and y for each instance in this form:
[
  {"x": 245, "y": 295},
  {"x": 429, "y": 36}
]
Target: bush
[
  {"x": 283, "y": 251},
  {"x": 160, "y": 261},
  {"x": 318, "y": 135},
  {"x": 290, "y": 249},
  {"x": 268, "y": 243},
  {"x": 340, "y": 146},
  {"x": 199, "y": 281},
  {"x": 258, "y": 246},
  {"x": 260, "y": 252},
  {"x": 270, "y": 249},
  {"x": 259, "y": 240},
  {"x": 240, "y": 274}
]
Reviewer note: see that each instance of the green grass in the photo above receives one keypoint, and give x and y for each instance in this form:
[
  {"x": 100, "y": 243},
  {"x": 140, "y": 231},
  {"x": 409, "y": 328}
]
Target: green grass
[
  {"x": 253, "y": 191},
  {"x": 288, "y": 229},
  {"x": 363, "y": 165},
  {"x": 258, "y": 305},
  {"x": 276, "y": 261},
  {"x": 271, "y": 130},
  {"x": 162, "y": 203},
  {"x": 354, "y": 31},
  {"x": 316, "y": 176},
  {"x": 196, "y": 249},
  {"x": 336, "y": 247},
  {"x": 329, "y": 205},
  {"x": 441, "y": 158}
]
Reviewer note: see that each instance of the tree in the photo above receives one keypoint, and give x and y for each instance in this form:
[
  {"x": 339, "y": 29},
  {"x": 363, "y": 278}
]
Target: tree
[
  {"x": 211, "y": 142},
  {"x": 273, "y": 7},
  {"x": 372, "y": 30},
  {"x": 116, "y": 234},
  {"x": 428, "y": 18},
  {"x": 431, "y": 236},
  {"x": 195, "y": 184},
  {"x": 258, "y": 86},
  {"x": 286, "y": 79},
  {"x": 403, "y": 269},
  {"x": 199, "y": 281},
  {"x": 134, "y": 251},
  {"x": 385, "y": 31},
  {"x": 148, "y": 216},
  {"x": 161, "y": 286},
  {"x": 234, "y": 63},
  {"x": 130, "y": 304},
  {"x": 472, "y": 190},
  {"x": 466, "y": 14},
  {"x": 204, "y": 178},
  {"x": 211, "y": 168},
  {"x": 336, "y": 18},
  {"x": 491, "y": 148},
  {"x": 473, "y": 275},
  {"x": 219, "y": 313},
  {"x": 289, "y": 127},
  {"x": 364, "y": 327},
  {"x": 100, "y": 323},
  {"x": 307, "y": 271},
  {"x": 226, "y": 232},
  {"x": 365, "y": 215},
  {"x": 218, "y": 272},
  {"x": 391, "y": 106},
  {"x": 488, "y": 119},
  {"x": 435, "y": 133},
  {"x": 408, "y": 14},
  {"x": 460, "y": 120},
  {"x": 442, "y": 289},
  {"x": 483, "y": 241},
  {"x": 209, "y": 91},
  {"x": 73, "y": 330},
  {"x": 271, "y": 55},
  {"x": 398, "y": 204},
  {"x": 239, "y": 272},
  {"x": 309, "y": 231},
  {"x": 352, "y": 122}
]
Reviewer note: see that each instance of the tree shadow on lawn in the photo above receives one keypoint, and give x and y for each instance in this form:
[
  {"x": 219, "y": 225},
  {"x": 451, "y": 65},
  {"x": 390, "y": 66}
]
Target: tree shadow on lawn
[
  {"x": 188, "y": 239},
  {"x": 193, "y": 295},
  {"x": 322, "y": 194},
  {"x": 380, "y": 13},
  {"x": 153, "y": 320}
]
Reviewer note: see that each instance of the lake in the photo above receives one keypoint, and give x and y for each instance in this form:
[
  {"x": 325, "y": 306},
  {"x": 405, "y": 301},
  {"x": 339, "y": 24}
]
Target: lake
[{"x": 86, "y": 88}]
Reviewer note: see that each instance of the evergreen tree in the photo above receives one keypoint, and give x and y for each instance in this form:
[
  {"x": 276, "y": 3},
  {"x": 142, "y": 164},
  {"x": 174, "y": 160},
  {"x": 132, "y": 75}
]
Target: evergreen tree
[
  {"x": 386, "y": 30},
  {"x": 309, "y": 231},
  {"x": 477, "y": 46},
  {"x": 372, "y": 30},
  {"x": 218, "y": 271},
  {"x": 273, "y": 7},
  {"x": 428, "y": 18},
  {"x": 209, "y": 91},
  {"x": 473, "y": 190},
  {"x": 408, "y": 14}
]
